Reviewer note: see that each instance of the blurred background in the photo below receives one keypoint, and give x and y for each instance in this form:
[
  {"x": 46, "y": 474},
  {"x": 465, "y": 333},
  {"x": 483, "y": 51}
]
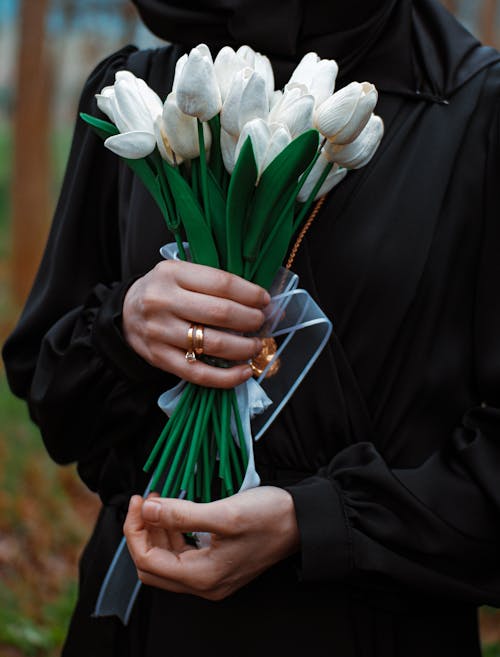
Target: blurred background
[{"x": 47, "y": 49}]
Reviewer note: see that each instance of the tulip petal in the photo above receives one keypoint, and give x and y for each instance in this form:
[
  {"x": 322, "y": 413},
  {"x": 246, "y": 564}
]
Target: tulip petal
[
  {"x": 226, "y": 65},
  {"x": 280, "y": 139},
  {"x": 336, "y": 112},
  {"x": 179, "y": 65},
  {"x": 163, "y": 143},
  {"x": 260, "y": 134},
  {"x": 358, "y": 153},
  {"x": 360, "y": 116},
  {"x": 228, "y": 147},
  {"x": 334, "y": 177},
  {"x": 130, "y": 109},
  {"x": 132, "y": 145},
  {"x": 198, "y": 92},
  {"x": 105, "y": 103}
]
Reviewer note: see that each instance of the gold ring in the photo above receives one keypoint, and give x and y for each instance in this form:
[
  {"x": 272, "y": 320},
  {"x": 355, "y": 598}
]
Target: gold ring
[
  {"x": 198, "y": 339},
  {"x": 190, "y": 353}
]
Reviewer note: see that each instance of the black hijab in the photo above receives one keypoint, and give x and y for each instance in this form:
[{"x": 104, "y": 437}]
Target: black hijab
[{"x": 403, "y": 46}]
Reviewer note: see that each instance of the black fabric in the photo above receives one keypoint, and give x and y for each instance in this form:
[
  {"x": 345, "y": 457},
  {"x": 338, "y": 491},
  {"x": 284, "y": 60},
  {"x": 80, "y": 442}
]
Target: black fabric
[{"x": 391, "y": 445}]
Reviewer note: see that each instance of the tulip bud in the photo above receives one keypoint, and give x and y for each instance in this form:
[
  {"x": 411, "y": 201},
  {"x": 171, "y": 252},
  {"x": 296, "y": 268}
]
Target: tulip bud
[
  {"x": 181, "y": 130},
  {"x": 318, "y": 75},
  {"x": 342, "y": 117},
  {"x": 226, "y": 65},
  {"x": 358, "y": 153},
  {"x": 197, "y": 89},
  {"x": 133, "y": 107},
  {"x": 267, "y": 141},
  {"x": 335, "y": 176},
  {"x": 246, "y": 100},
  {"x": 294, "y": 109}
]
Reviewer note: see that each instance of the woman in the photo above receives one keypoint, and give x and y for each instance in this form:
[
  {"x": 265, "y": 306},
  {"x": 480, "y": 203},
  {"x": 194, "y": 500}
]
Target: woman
[{"x": 377, "y": 532}]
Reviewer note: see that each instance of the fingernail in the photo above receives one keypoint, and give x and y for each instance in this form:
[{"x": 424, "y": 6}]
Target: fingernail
[
  {"x": 258, "y": 346},
  {"x": 267, "y": 299},
  {"x": 151, "y": 511},
  {"x": 247, "y": 373}
]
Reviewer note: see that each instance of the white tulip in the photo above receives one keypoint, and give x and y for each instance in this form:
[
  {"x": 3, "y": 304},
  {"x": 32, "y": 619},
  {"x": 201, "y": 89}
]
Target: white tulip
[
  {"x": 181, "y": 130},
  {"x": 295, "y": 109},
  {"x": 164, "y": 145},
  {"x": 196, "y": 87},
  {"x": 318, "y": 75},
  {"x": 246, "y": 100},
  {"x": 226, "y": 65},
  {"x": 268, "y": 140},
  {"x": 228, "y": 145},
  {"x": 358, "y": 153},
  {"x": 260, "y": 64},
  {"x": 335, "y": 176},
  {"x": 179, "y": 66},
  {"x": 133, "y": 107},
  {"x": 342, "y": 117}
]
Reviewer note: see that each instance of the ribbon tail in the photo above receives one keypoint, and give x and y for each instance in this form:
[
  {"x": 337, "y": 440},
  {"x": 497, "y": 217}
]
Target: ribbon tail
[{"x": 120, "y": 587}]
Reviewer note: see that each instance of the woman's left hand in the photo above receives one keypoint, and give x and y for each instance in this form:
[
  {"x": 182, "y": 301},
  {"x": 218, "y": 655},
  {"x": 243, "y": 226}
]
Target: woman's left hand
[{"x": 250, "y": 531}]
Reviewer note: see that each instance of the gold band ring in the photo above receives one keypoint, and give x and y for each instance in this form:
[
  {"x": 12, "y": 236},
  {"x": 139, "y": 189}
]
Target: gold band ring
[
  {"x": 195, "y": 342},
  {"x": 198, "y": 339},
  {"x": 190, "y": 353}
]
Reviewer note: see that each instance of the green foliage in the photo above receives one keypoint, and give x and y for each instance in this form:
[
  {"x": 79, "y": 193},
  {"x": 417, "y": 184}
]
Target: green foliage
[{"x": 491, "y": 650}]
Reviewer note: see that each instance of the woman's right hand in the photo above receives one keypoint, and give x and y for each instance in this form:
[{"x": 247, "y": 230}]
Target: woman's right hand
[{"x": 160, "y": 307}]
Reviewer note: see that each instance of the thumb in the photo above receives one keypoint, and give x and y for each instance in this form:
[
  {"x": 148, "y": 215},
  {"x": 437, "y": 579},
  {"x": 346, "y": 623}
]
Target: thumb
[{"x": 184, "y": 516}]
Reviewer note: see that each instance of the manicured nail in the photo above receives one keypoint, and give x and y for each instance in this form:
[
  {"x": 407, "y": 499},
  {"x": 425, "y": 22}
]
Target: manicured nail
[{"x": 151, "y": 511}]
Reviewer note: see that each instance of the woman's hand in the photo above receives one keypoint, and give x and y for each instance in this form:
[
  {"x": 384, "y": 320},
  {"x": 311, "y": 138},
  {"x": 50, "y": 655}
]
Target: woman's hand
[
  {"x": 250, "y": 532},
  {"x": 160, "y": 307}
]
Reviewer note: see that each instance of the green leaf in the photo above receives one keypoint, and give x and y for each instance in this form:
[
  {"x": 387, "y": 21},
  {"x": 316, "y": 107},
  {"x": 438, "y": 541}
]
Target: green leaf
[
  {"x": 274, "y": 252},
  {"x": 278, "y": 180},
  {"x": 217, "y": 202},
  {"x": 201, "y": 242},
  {"x": 103, "y": 129},
  {"x": 240, "y": 194}
]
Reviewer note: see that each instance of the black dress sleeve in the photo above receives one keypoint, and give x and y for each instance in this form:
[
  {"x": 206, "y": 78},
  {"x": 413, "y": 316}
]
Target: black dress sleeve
[
  {"x": 86, "y": 389},
  {"x": 433, "y": 530}
]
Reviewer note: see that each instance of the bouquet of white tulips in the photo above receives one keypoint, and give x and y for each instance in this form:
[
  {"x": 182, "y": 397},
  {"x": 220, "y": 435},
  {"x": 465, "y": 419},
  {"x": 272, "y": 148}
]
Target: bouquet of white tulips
[{"x": 235, "y": 167}]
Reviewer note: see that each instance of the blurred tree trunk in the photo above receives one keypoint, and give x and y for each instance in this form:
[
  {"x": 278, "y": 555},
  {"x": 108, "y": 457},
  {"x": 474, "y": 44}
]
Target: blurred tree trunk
[
  {"x": 488, "y": 15},
  {"x": 451, "y": 5},
  {"x": 31, "y": 172}
]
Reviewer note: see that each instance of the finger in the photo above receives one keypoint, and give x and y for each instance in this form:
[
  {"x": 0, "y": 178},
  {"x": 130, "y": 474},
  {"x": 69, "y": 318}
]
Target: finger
[
  {"x": 174, "y": 361},
  {"x": 218, "y": 283},
  {"x": 184, "y": 516},
  {"x": 216, "y": 311},
  {"x": 215, "y": 343},
  {"x": 134, "y": 528}
]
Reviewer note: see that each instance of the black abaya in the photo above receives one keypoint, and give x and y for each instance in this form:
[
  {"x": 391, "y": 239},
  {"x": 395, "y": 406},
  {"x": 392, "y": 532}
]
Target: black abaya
[{"x": 390, "y": 447}]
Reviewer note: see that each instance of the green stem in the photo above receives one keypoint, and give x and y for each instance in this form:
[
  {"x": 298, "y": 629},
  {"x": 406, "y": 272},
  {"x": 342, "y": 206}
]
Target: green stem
[
  {"x": 186, "y": 433},
  {"x": 171, "y": 428},
  {"x": 204, "y": 173},
  {"x": 205, "y": 407},
  {"x": 239, "y": 426}
]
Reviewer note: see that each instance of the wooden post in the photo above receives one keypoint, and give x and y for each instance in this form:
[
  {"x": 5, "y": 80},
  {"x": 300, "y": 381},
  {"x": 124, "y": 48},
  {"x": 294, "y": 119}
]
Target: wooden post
[
  {"x": 31, "y": 169},
  {"x": 488, "y": 27}
]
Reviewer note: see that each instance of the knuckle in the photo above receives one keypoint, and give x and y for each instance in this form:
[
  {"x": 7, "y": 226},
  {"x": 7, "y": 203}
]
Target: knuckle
[
  {"x": 257, "y": 319},
  {"x": 220, "y": 313},
  {"x": 216, "y": 343},
  {"x": 223, "y": 282}
]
